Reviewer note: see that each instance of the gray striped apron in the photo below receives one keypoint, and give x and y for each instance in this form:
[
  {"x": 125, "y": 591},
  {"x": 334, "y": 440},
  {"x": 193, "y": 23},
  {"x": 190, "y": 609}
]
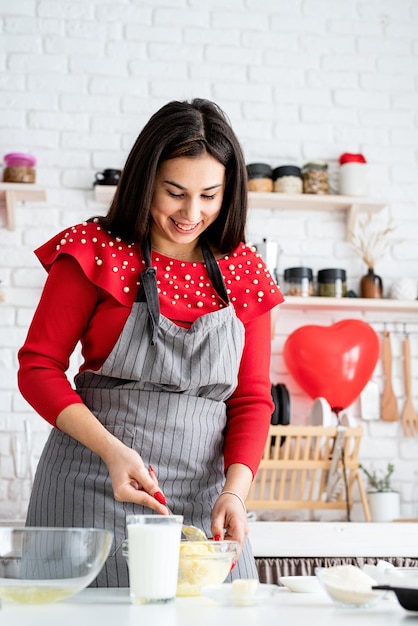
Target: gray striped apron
[{"x": 161, "y": 391}]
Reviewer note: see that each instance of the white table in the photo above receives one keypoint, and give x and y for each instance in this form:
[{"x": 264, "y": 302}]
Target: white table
[{"x": 112, "y": 607}]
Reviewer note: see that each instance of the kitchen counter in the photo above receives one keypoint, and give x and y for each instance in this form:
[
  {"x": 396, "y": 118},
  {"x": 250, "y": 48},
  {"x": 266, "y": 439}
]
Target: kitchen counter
[
  {"x": 327, "y": 539},
  {"x": 110, "y": 607}
]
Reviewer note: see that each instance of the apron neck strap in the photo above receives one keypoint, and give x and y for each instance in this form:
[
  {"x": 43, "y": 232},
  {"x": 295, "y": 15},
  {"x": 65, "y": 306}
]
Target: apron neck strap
[
  {"x": 214, "y": 271},
  {"x": 148, "y": 282}
]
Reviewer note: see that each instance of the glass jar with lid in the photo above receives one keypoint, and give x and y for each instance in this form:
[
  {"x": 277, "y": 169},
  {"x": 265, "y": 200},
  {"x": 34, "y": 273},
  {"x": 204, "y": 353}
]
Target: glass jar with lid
[
  {"x": 287, "y": 179},
  {"x": 20, "y": 168},
  {"x": 315, "y": 177},
  {"x": 332, "y": 283},
  {"x": 260, "y": 177},
  {"x": 298, "y": 281}
]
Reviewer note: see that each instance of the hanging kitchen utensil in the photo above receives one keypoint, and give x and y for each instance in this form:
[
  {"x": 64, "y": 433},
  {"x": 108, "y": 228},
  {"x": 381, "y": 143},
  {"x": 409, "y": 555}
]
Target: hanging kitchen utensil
[
  {"x": 284, "y": 403},
  {"x": 409, "y": 415},
  {"x": 389, "y": 404},
  {"x": 275, "y": 416},
  {"x": 281, "y": 411}
]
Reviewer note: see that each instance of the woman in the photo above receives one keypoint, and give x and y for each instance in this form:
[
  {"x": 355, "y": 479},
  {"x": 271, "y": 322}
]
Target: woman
[{"x": 172, "y": 403}]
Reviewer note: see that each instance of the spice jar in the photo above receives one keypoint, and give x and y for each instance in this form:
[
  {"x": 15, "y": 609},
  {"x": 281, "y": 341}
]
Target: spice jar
[
  {"x": 298, "y": 281},
  {"x": 19, "y": 168},
  {"x": 260, "y": 177},
  {"x": 315, "y": 177},
  {"x": 287, "y": 179},
  {"x": 352, "y": 175},
  {"x": 332, "y": 283}
]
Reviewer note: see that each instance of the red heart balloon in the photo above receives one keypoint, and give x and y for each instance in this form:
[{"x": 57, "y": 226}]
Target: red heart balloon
[{"x": 333, "y": 362}]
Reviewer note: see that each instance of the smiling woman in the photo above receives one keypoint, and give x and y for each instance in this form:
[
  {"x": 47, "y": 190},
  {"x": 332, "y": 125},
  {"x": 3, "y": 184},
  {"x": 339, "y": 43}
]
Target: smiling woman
[{"x": 172, "y": 310}]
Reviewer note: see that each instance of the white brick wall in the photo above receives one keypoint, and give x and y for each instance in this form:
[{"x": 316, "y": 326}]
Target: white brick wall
[{"x": 299, "y": 81}]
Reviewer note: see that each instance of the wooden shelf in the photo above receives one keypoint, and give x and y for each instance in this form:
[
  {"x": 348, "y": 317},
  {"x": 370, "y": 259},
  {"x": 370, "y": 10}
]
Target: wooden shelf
[
  {"x": 350, "y": 304},
  {"x": 310, "y": 202},
  {"x": 19, "y": 192}
]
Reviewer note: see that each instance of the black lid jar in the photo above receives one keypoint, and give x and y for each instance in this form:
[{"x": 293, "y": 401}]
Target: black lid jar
[
  {"x": 260, "y": 177},
  {"x": 332, "y": 283},
  {"x": 315, "y": 178},
  {"x": 298, "y": 281},
  {"x": 288, "y": 179}
]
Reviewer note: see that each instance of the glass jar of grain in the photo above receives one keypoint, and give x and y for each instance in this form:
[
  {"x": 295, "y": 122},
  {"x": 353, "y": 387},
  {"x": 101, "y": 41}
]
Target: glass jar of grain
[{"x": 315, "y": 177}]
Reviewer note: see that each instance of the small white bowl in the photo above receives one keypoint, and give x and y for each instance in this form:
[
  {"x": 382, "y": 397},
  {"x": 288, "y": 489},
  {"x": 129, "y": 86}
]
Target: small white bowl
[
  {"x": 301, "y": 584},
  {"x": 224, "y": 594}
]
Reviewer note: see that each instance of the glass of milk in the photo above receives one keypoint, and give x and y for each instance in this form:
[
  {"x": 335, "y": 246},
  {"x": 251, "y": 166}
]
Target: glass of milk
[{"x": 153, "y": 553}]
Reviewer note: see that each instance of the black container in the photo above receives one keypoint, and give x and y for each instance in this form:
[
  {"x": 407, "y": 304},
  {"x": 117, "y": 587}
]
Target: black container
[
  {"x": 287, "y": 170},
  {"x": 259, "y": 170},
  {"x": 107, "y": 177},
  {"x": 298, "y": 281},
  {"x": 332, "y": 283}
]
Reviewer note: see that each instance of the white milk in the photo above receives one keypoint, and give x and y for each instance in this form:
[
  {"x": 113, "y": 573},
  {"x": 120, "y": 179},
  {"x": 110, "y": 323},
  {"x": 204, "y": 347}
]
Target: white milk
[{"x": 154, "y": 558}]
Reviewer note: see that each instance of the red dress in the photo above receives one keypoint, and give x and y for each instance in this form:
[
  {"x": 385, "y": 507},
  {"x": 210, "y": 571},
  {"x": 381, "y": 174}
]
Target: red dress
[{"x": 92, "y": 283}]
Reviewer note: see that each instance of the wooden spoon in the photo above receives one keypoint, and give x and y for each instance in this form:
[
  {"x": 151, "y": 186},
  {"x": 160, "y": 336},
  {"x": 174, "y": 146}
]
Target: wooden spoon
[
  {"x": 389, "y": 404},
  {"x": 409, "y": 415}
]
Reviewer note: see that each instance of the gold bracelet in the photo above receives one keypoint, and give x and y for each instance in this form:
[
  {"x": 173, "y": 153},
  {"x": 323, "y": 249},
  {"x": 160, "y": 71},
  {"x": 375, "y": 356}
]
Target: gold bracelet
[{"x": 232, "y": 493}]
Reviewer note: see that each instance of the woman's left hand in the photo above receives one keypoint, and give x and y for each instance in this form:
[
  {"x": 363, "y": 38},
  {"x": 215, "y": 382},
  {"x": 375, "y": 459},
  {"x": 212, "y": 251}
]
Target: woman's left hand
[{"x": 229, "y": 520}]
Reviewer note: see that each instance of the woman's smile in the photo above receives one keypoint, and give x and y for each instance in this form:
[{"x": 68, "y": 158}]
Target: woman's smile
[{"x": 187, "y": 228}]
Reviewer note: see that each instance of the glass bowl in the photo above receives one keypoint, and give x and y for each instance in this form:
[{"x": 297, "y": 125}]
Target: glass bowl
[
  {"x": 204, "y": 563},
  {"x": 201, "y": 563},
  {"x": 349, "y": 586},
  {"x": 42, "y": 565}
]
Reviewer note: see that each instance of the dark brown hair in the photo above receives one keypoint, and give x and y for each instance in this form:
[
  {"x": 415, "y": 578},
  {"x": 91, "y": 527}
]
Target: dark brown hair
[{"x": 181, "y": 129}]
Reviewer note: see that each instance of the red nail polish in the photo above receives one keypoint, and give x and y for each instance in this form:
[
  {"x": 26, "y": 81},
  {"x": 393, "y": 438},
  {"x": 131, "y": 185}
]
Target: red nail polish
[
  {"x": 232, "y": 566},
  {"x": 151, "y": 469},
  {"x": 217, "y": 537},
  {"x": 159, "y": 496}
]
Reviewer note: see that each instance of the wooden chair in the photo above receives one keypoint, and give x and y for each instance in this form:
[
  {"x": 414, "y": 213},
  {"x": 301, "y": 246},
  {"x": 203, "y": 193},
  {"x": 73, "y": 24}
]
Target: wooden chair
[{"x": 309, "y": 467}]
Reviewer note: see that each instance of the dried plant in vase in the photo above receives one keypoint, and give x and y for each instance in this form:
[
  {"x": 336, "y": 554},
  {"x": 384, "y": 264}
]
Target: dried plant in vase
[{"x": 370, "y": 244}]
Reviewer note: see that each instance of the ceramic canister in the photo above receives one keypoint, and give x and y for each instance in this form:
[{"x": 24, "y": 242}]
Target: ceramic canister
[{"x": 353, "y": 175}]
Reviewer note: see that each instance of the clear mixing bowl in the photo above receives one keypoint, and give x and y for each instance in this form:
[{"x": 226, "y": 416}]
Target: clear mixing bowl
[{"x": 41, "y": 565}]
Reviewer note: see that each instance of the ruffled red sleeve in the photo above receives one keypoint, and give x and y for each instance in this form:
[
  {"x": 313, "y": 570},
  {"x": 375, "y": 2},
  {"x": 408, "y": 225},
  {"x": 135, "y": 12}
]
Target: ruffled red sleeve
[
  {"x": 251, "y": 288},
  {"x": 108, "y": 262}
]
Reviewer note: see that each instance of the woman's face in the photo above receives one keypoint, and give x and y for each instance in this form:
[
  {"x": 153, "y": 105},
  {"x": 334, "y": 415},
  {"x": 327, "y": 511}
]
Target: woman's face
[{"x": 187, "y": 198}]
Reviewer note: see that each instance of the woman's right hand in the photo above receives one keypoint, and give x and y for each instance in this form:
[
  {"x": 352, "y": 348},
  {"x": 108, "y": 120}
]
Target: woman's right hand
[{"x": 131, "y": 480}]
